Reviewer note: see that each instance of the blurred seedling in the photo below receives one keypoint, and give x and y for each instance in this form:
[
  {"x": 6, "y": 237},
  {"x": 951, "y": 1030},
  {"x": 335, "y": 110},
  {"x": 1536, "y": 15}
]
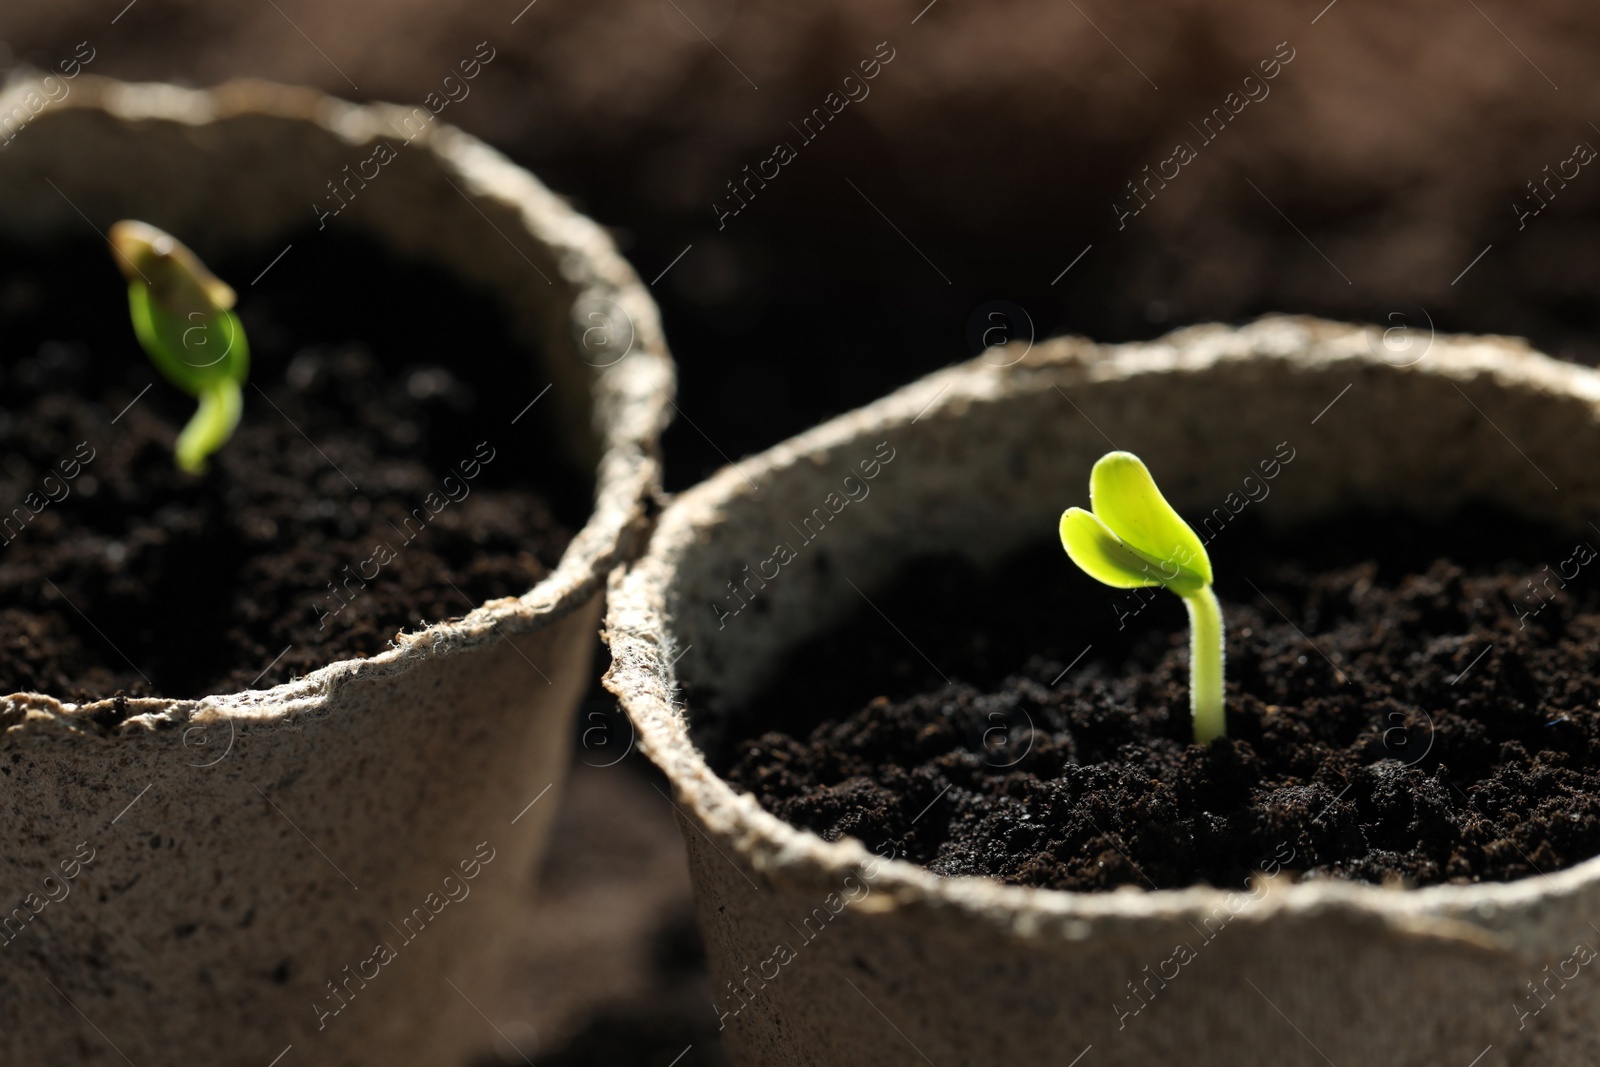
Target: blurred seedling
[
  {"x": 1133, "y": 539},
  {"x": 183, "y": 318}
]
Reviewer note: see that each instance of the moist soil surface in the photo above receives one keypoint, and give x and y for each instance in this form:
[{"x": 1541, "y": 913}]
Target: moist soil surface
[
  {"x": 1407, "y": 702},
  {"x": 376, "y": 482}
]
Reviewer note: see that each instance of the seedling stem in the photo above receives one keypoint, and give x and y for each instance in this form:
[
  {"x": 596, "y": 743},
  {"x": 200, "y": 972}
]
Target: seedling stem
[
  {"x": 183, "y": 319},
  {"x": 1134, "y": 539}
]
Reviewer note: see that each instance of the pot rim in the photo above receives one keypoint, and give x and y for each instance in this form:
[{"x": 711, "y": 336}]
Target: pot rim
[
  {"x": 644, "y": 648},
  {"x": 631, "y": 399}
]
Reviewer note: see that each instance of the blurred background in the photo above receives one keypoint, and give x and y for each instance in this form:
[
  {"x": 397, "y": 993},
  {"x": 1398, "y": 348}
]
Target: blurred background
[{"x": 831, "y": 199}]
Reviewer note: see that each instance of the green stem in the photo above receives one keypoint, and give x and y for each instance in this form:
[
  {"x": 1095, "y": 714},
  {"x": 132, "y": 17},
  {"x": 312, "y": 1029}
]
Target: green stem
[
  {"x": 220, "y": 405},
  {"x": 1205, "y": 665}
]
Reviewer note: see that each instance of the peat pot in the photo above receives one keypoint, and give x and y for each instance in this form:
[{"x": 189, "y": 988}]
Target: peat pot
[
  {"x": 919, "y": 969},
  {"x": 207, "y": 881}
]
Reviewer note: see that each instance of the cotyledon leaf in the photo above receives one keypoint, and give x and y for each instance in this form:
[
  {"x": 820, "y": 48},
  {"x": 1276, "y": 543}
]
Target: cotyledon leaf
[
  {"x": 1124, "y": 497},
  {"x": 1102, "y": 555}
]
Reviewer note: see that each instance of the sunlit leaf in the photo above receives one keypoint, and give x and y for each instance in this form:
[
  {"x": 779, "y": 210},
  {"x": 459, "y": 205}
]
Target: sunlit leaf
[
  {"x": 1132, "y": 539},
  {"x": 1101, "y": 555},
  {"x": 1124, "y": 497}
]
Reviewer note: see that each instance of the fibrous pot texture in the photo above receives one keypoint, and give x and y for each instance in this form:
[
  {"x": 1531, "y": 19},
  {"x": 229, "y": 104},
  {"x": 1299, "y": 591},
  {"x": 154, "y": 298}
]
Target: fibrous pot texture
[
  {"x": 327, "y": 864},
  {"x": 828, "y": 953}
]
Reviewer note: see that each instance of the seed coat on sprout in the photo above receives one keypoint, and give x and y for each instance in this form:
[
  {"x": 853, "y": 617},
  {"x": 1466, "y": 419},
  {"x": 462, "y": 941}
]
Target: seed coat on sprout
[{"x": 182, "y": 315}]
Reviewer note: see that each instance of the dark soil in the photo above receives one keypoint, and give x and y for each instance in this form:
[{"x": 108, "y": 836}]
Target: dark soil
[
  {"x": 1397, "y": 720},
  {"x": 372, "y": 382}
]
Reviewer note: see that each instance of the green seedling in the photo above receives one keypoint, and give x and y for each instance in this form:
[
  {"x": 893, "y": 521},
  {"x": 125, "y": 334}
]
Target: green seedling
[
  {"x": 182, "y": 315},
  {"x": 1134, "y": 539}
]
